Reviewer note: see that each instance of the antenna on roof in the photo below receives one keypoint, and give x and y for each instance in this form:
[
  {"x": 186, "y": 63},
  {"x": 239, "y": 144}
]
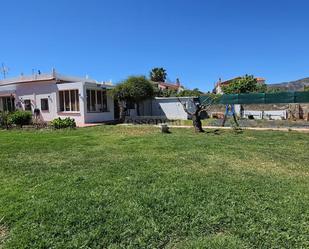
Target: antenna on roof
[{"x": 4, "y": 70}]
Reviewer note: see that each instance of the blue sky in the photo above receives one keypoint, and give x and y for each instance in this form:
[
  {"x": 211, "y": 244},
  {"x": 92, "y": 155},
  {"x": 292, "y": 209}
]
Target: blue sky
[{"x": 195, "y": 40}]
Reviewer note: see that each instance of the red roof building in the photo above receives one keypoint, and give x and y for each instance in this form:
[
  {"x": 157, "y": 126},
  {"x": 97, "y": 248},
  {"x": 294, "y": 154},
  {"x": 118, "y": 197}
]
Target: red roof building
[
  {"x": 169, "y": 86},
  {"x": 220, "y": 83}
]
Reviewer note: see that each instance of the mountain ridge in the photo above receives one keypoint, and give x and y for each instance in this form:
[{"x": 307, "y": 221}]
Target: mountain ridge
[{"x": 296, "y": 85}]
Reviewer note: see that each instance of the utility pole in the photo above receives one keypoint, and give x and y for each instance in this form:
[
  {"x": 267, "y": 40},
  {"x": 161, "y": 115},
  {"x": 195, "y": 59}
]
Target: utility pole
[{"x": 4, "y": 70}]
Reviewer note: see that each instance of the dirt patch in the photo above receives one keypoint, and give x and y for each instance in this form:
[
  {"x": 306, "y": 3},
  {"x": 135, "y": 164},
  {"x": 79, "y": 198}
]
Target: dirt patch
[
  {"x": 266, "y": 167},
  {"x": 131, "y": 130},
  {"x": 3, "y": 235},
  {"x": 250, "y": 138}
]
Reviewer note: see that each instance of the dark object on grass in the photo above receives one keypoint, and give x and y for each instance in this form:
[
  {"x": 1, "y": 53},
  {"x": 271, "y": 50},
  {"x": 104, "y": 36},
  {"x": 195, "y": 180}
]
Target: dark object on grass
[
  {"x": 215, "y": 132},
  {"x": 237, "y": 130},
  {"x": 165, "y": 128}
]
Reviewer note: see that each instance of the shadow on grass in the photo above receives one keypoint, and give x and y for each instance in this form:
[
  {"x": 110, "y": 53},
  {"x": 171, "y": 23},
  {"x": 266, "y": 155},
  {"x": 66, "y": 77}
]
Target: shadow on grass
[{"x": 215, "y": 132}]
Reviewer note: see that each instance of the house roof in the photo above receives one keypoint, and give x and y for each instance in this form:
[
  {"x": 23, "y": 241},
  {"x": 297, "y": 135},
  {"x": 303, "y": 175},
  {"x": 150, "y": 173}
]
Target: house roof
[
  {"x": 53, "y": 76},
  {"x": 27, "y": 79},
  {"x": 169, "y": 85}
]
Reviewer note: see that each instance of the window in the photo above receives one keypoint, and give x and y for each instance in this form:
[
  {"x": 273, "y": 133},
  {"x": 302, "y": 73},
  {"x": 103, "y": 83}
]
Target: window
[
  {"x": 7, "y": 104},
  {"x": 88, "y": 100},
  {"x": 27, "y": 105},
  {"x": 67, "y": 106},
  {"x": 93, "y": 101},
  {"x": 99, "y": 98},
  {"x": 104, "y": 101},
  {"x": 61, "y": 101},
  {"x": 69, "y": 101},
  {"x": 96, "y": 101},
  {"x": 44, "y": 105}
]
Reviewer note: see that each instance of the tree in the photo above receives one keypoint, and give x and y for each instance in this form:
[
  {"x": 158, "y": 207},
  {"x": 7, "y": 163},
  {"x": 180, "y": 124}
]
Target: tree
[
  {"x": 174, "y": 93},
  {"x": 246, "y": 84},
  {"x": 158, "y": 74},
  {"x": 166, "y": 93},
  {"x": 134, "y": 89},
  {"x": 190, "y": 93},
  {"x": 275, "y": 90},
  {"x": 198, "y": 109}
]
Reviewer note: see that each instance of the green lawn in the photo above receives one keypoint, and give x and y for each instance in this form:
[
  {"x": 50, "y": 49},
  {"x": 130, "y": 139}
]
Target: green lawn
[{"x": 132, "y": 187}]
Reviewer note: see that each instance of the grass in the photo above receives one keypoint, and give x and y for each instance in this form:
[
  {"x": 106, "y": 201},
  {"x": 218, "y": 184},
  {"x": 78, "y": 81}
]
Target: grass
[{"x": 128, "y": 187}]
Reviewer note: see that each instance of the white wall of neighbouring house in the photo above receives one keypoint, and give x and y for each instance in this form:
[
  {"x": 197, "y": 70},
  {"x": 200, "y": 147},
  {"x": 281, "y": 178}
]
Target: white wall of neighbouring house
[
  {"x": 169, "y": 108},
  {"x": 219, "y": 89}
]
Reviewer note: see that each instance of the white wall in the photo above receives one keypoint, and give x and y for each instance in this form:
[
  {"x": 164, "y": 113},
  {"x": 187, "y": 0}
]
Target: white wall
[
  {"x": 169, "y": 108},
  {"x": 35, "y": 92},
  {"x": 219, "y": 89}
]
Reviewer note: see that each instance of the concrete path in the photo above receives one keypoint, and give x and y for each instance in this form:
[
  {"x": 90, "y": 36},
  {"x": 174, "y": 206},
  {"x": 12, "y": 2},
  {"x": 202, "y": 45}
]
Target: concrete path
[
  {"x": 245, "y": 128},
  {"x": 215, "y": 127}
]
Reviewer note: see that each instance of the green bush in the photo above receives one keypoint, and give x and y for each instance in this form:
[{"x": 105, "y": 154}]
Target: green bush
[
  {"x": 5, "y": 121},
  {"x": 20, "y": 118},
  {"x": 59, "y": 123}
]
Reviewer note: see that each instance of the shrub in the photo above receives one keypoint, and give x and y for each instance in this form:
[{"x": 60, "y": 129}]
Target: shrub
[
  {"x": 20, "y": 118},
  {"x": 5, "y": 121},
  {"x": 59, "y": 123}
]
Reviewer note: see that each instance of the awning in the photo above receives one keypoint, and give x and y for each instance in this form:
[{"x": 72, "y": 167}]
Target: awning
[{"x": 7, "y": 91}]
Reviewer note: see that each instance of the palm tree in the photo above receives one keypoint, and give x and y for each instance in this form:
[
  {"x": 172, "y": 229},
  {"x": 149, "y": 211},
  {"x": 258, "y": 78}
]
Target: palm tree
[{"x": 158, "y": 74}]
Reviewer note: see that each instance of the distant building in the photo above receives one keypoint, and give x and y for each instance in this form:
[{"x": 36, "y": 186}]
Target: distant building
[
  {"x": 220, "y": 83},
  {"x": 169, "y": 86}
]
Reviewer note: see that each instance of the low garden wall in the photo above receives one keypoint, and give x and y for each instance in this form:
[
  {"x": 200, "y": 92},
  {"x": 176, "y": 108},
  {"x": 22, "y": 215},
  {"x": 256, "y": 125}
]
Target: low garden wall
[{"x": 294, "y": 111}]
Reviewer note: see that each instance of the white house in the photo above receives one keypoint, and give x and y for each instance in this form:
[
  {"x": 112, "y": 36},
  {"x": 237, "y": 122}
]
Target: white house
[{"x": 57, "y": 95}]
